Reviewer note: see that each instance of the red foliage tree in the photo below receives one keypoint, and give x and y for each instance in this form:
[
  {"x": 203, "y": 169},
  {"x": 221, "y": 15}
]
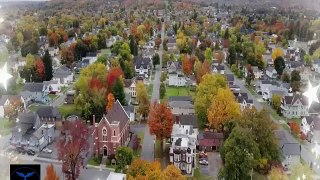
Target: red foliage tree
[
  {"x": 112, "y": 75},
  {"x": 95, "y": 83},
  {"x": 39, "y": 67},
  {"x": 54, "y": 38},
  {"x": 186, "y": 65},
  {"x": 160, "y": 121},
  {"x": 192, "y": 61},
  {"x": 294, "y": 128},
  {"x": 72, "y": 147}
]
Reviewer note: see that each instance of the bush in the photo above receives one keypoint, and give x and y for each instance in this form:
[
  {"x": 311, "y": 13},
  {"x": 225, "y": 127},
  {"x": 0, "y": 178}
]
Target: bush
[
  {"x": 108, "y": 162},
  {"x": 303, "y": 136},
  {"x": 295, "y": 129}
]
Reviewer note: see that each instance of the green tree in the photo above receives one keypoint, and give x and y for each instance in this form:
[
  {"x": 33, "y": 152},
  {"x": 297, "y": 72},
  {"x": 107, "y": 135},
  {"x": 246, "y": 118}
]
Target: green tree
[
  {"x": 208, "y": 55},
  {"x": 308, "y": 59},
  {"x": 298, "y": 170},
  {"x": 124, "y": 157},
  {"x": 226, "y": 34},
  {"x": 20, "y": 38},
  {"x": 155, "y": 60},
  {"x": 240, "y": 154},
  {"x": 162, "y": 90},
  {"x": 295, "y": 80},
  {"x": 232, "y": 55},
  {"x": 29, "y": 46},
  {"x": 102, "y": 59},
  {"x": 205, "y": 92},
  {"x": 47, "y": 62},
  {"x": 165, "y": 58},
  {"x": 285, "y": 77},
  {"x": 279, "y": 65},
  {"x": 276, "y": 102},
  {"x": 118, "y": 92}
]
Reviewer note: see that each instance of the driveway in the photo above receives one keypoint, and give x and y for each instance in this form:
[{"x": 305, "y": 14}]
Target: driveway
[{"x": 215, "y": 163}]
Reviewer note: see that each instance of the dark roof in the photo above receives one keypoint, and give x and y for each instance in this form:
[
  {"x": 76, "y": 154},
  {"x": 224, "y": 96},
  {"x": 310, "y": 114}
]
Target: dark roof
[
  {"x": 117, "y": 114},
  {"x": 171, "y": 40},
  {"x": 310, "y": 119},
  {"x": 62, "y": 71},
  {"x": 39, "y": 133},
  {"x": 139, "y": 61},
  {"x": 292, "y": 99},
  {"x": 210, "y": 135},
  {"x": 219, "y": 67},
  {"x": 33, "y": 87},
  {"x": 187, "y": 120},
  {"x": 230, "y": 77},
  {"x": 26, "y": 123},
  {"x": 91, "y": 54},
  {"x": 129, "y": 108},
  {"x": 127, "y": 82},
  {"x": 287, "y": 147},
  {"x": 295, "y": 64},
  {"x": 180, "y": 98},
  {"x": 49, "y": 112}
]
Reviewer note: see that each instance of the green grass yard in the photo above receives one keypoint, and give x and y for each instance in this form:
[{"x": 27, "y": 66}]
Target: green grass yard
[
  {"x": 93, "y": 162},
  {"x": 33, "y": 108},
  {"x": 178, "y": 91},
  {"x": 5, "y": 126},
  {"x": 68, "y": 109},
  {"x": 53, "y": 96}
]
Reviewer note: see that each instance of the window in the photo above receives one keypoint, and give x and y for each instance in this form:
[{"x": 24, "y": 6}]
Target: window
[
  {"x": 104, "y": 135},
  {"x": 114, "y": 133}
]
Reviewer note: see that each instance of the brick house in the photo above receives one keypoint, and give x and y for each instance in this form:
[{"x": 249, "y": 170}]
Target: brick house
[{"x": 111, "y": 132}]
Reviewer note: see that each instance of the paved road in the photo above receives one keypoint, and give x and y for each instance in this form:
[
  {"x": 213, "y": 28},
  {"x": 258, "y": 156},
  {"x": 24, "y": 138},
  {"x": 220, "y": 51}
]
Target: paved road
[
  {"x": 147, "y": 152},
  {"x": 306, "y": 154}
]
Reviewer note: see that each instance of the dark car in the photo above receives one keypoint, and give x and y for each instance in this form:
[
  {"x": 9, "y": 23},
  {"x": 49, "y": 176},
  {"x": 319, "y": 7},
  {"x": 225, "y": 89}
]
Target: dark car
[
  {"x": 31, "y": 152},
  {"x": 21, "y": 150}
]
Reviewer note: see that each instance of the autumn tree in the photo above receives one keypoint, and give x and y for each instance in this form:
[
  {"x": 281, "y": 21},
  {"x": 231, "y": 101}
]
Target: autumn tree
[
  {"x": 279, "y": 65},
  {"x": 295, "y": 80},
  {"x": 124, "y": 157},
  {"x": 51, "y": 173},
  {"x": 110, "y": 101},
  {"x": 47, "y": 62},
  {"x": 118, "y": 92},
  {"x": 276, "y": 102},
  {"x": 205, "y": 92},
  {"x": 295, "y": 129},
  {"x": 142, "y": 98},
  {"x": 172, "y": 172},
  {"x": 239, "y": 153},
  {"x": 208, "y": 55},
  {"x": 277, "y": 52},
  {"x": 298, "y": 170},
  {"x": 285, "y": 77},
  {"x": 223, "y": 108},
  {"x": 186, "y": 65},
  {"x": 113, "y": 74},
  {"x": 160, "y": 121},
  {"x": 12, "y": 110},
  {"x": 72, "y": 147},
  {"x": 40, "y": 70}
]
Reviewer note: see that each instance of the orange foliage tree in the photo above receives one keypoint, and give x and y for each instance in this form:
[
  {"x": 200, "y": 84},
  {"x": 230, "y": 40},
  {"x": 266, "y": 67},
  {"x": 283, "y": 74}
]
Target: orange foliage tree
[
  {"x": 110, "y": 101},
  {"x": 160, "y": 121},
  {"x": 112, "y": 75},
  {"x": 294, "y": 128},
  {"x": 51, "y": 173},
  {"x": 186, "y": 65},
  {"x": 40, "y": 67}
]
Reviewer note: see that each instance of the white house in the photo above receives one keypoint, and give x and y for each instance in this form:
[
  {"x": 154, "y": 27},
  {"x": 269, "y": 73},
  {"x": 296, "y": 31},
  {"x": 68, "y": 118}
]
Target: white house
[
  {"x": 51, "y": 87},
  {"x": 243, "y": 100},
  {"x": 142, "y": 65},
  {"x": 257, "y": 73},
  {"x": 181, "y": 105},
  {"x": 294, "y": 106},
  {"x": 307, "y": 123},
  {"x": 271, "y": 73},
  {"x": 91, "y": 57},
  {"x": 63, "y": 75},
  {"x": 183, "y": 148},
  {"x": 53, "y": 51},
  {"x": 176, "y": 79},
  {"x": 217, "y": 69},
  {"x": 132, "y": 89}
]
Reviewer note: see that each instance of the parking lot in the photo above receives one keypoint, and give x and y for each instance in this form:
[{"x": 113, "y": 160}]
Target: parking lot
[{"x": 214, "y": 165}]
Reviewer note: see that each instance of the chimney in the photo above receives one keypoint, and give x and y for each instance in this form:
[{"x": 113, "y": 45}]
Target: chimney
[{"x": 94, "y": 120}]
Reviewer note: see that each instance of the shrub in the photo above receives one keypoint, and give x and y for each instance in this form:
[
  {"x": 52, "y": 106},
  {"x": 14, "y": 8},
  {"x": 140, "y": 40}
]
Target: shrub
[{"x": 295, "y": 129}]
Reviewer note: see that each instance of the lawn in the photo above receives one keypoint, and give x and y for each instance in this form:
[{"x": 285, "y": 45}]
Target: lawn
[
  {"x": 178, "y": 91},
  {"x": 105, "y": 51},
  {"x": 53, "y": 96},
  {"x": 33, "y": 108},
  {"x": 64, "y": 88},
  {"x": 68, "y": 109},
  {"x": 93, "y": 162},
  {"x": 252, "y": 90},
  {"x": 5, "y": 126},
  {"x": 150, "y": 90}
]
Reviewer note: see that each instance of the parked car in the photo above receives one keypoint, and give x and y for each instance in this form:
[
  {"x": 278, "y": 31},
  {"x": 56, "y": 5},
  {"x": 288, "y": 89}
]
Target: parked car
[
  {"x": 31, "y": 152},
  {"x": 203, "y": 162},
  {"x": 47, "y": 150}
]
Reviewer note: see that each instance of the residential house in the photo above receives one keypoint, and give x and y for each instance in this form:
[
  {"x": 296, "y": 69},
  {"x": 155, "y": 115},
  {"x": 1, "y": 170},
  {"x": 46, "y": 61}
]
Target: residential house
[
  {"x": 70, "y": 95},
  {"x": 316, "y": 65},
  {"x": 149, "y": 45},
  {"x": 63, "y": 75},
  {"x": 6, "y": 100},
  {"x": 293, "y": 65},
  {"x": 264, "y": 85},
  {"x": 48, "y": 113},
  {"x": 273, "y": 90},
  {"x": 210, "y": 141},
  {"x": 132, "y": 89},
  {"x": 310, "y": 126},
  {"x": 290, "y": 151},
  {"x": 172, "y": 44},
  {"x": 230, "y": 79},
  {"x": 258, "y": 74},
  {"x": 111, "y": 132},
  {"x": 294, "y": 106},
  {"x": 53, "y": 51},
  {"x": 131, "y": 112},
  {"x": 29, "y": 134},
  {"x": 271, "y": 73},
  {"x": 51, "y": 87},
  {"x": 181, "y": 105},
  {"x": 183, "y": 148},
  {"x": 243, "y": 100},
  {"x": 34, "y": 92},
  {"x": 175, "y": 74},
  {"x": 91, "y": 57},
  {"x": 217, "y": 69},
  {"x": 142, "y": 65}
]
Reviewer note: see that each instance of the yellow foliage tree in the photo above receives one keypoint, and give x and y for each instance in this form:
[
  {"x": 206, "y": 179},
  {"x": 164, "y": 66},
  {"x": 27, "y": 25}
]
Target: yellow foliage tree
[
  {"x": 51, "y": 173},
  {"x": 223, "y": 108},
  {"x": 277, "y": 52},
  {"x": 172, "y": 172},
  {"x": 277, "y": 174}
]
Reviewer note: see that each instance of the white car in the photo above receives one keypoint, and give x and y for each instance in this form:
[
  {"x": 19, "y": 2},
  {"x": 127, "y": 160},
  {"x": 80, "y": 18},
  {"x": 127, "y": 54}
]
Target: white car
[{"x": 47, "y": 150}]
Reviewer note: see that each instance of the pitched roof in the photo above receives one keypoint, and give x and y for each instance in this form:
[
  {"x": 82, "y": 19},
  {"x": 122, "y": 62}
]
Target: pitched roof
[
  {"x": 292, "y": 99},
  {"x": 171, "y": 40},
  {"x": 287, "y": 147},
  {"x": 129, "y": 108},
  {"x": 48, "y": 111},
  {"x": 33, "y": 87},
  {"x": 230, "y": 77},
  {"x": 180, "y": 98},
  {"x": 296, "y": 64},
  {"x": 117, "y": 114},
  {"x": 187, "y": 120},
  {"x": 62, "y": 71},
  {"x": 211, "y": 135},
  {"x": 139, "y": 61},
  {"x": 218, "y": 67}
]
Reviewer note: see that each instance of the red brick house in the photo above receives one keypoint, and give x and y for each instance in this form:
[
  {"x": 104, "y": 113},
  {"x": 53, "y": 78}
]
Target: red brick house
[
  {"x": 210, "y": 141},
  {"x": 111, "y": 132}
]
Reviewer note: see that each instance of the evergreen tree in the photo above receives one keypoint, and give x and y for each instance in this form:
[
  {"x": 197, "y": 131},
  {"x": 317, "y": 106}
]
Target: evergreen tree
[
  {"x": 132, "y": 44},
  {"x": 118, "y": 92},
  {"x": 135, "y": 49},
  {"x": 47, "y": 62}
]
